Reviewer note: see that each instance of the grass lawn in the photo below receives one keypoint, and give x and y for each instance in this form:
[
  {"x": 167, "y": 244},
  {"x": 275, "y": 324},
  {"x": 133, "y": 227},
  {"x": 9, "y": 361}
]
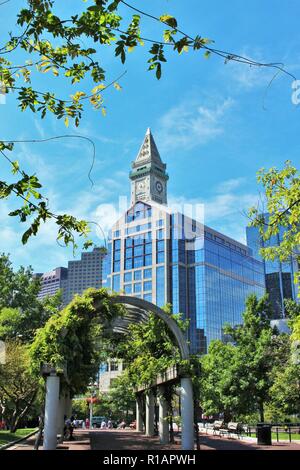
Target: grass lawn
[
  {"x": 6, "y": 436},
  {"x": 284, "y": 436}
]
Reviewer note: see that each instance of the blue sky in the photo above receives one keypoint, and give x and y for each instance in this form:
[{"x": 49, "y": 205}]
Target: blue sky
[{"x": 214, "y": 124}]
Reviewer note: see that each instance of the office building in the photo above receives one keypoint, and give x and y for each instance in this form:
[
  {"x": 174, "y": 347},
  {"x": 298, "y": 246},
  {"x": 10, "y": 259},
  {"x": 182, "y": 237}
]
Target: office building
[
  {"x": 84, "y": 273},
  {"x": 52, "y": 281},
  {"x": 164, "y": 256},
  {"x": 79, "y": 276},
  {"x": 279, "y": 276}
]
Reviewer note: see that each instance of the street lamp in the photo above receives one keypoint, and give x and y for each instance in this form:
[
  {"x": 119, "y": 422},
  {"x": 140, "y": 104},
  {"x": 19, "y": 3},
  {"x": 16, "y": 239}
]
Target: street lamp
[{"x": 91, "y": 400}]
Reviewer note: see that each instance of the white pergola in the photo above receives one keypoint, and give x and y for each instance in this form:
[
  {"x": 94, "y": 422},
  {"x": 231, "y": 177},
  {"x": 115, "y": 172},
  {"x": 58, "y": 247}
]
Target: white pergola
[{"x": 136, "y": 311}]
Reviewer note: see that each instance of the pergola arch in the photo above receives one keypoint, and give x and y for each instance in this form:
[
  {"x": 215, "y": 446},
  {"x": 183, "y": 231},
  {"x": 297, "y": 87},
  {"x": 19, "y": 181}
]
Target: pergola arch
[
  {"x": 139, "y": 310},
  {"x": 136, "y": 310}
]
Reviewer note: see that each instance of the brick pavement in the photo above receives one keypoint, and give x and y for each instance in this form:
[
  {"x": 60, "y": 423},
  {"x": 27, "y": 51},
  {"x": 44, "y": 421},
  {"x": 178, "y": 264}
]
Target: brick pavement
[{"x": 97, "y": 439}]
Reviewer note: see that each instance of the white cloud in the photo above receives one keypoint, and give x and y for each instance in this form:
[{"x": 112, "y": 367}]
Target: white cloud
[
  {"x": 225, "y": 210},
  {"x": 39, "y": 128},
  {"x": 248, "y": 77},
  {"x": 190, "y": 124},
  {"x": 230, "y": 185}
]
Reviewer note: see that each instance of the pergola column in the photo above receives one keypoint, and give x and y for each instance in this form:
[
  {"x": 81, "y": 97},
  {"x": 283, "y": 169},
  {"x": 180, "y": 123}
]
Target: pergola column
[
  {"x": 139, "y": 415},
  {"x": 163, "y": 424},
  {"x": 60, "y": 417},
  {"x": 149, "y": 413},
  {"x": 51, "y": 411},
  {"x": 187, "y": 414}
]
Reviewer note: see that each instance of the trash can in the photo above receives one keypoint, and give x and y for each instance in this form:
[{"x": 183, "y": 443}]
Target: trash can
[{"x": 264, "y": 434}]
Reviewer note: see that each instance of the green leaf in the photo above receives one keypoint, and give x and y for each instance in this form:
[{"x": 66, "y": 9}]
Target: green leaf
[
  {"x": 169, "y": 20},
  {"x": 16, "y": 167}
]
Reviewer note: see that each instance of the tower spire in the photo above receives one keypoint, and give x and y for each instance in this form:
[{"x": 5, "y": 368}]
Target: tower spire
[{"x": 148, "y": 173}]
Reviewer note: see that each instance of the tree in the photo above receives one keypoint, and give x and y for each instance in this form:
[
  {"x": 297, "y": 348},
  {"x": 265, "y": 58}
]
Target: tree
[
  {"x": 149, "y": 349},
  {"x": 237, "y": 376},
  {"x": 17, "y": 289},
  {"x": 18, "y": 386},
  {"x": 217, "y": 390},
  {"x": 281, "y": 209},
  {"x": 254, "y": 352},
  {"x": 285, "y": 391},
  {"x": 121, "y": 397},
  {"x": 286, "y": 388},
  {"x": 52, "y": 43},
  {"x": 21, "y": 312}
]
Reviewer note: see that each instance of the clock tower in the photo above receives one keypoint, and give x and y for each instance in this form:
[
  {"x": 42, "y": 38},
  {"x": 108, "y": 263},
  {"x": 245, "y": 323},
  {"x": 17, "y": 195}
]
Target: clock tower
[{"x": 148, "y": 176}]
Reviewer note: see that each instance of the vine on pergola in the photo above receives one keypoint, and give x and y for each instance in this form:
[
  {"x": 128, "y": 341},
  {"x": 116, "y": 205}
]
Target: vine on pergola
[{"x": 73, "y": 340}]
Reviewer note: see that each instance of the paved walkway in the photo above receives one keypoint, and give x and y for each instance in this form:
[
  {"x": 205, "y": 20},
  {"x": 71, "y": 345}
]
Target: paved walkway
[
  {"x": 127, "y": 439},
  {"x": 131, "y": 440}
]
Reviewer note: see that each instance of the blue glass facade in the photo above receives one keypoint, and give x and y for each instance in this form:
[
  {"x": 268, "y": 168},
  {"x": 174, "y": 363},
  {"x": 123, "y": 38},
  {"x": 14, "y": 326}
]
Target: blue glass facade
[
  {"x": 211, "y": 277},
  {"x": 279, "y": 276},
  {"x": 205, "y": 275}
]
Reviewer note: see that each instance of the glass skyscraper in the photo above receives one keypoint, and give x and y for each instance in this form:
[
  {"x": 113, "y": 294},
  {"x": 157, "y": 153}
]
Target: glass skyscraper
[
  {"x": 279, "y": 276},
  {"x": 164, "y": 256}
]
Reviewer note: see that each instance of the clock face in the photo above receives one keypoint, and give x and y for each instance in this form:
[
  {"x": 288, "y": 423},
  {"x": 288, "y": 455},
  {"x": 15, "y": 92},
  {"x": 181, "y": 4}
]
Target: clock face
[
  {"x": 158, "y": 187},
  {"x": 141, "y": 185}
]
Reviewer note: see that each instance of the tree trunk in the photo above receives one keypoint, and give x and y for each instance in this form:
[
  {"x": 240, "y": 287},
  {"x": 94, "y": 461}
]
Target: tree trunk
[
  {"x": 261, "y": 412},
  {"x": 39, "y": 435},
  {"x": 227, "y": 416},
  {"x": 17, "y": 415},
  {"x": 196, "y": 427},
  {"x": 13, "y": 422}
]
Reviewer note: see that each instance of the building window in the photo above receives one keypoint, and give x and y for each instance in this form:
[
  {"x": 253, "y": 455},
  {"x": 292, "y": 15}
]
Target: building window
[
  {"x": 128, "y": 289},
  {"x": 160, "y": 254},
  {"x": 148, "y": 297},
  {"x": 117, "y": 266},
  {"x": 117, "y": 255},
  {"x": 148, "y": 260},
  {"x": 114, "y": 366},
  {"x": 137, "y": 250},
  {"x": 139, "y": 211},
  {"x": 117, "y": 244},
  {"x": 128, "y": 242},
  {"x": 148, "y": 273},
  {"x": 147, "y": 285},
  {"x": 117, "y": 233},
  {"x": 160, "y": 286},
  {"x": 128, "y": 264},
  {"x": 160, "y": 234},
  {"x": 137, "y": 287},
  {"x": 160, "y": 245},
  {"x": 138, "y": 262},
  {"x": 116, "y": 283},
  {"x": 127, "y": 277},
  {"x": 137, "y": 275}
]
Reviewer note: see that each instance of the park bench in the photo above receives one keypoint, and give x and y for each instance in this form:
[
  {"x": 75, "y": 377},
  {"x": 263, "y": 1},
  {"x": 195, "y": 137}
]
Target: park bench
[
  {"x": 231, "y": 429},
  {"x": 217, "y": 426}
]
